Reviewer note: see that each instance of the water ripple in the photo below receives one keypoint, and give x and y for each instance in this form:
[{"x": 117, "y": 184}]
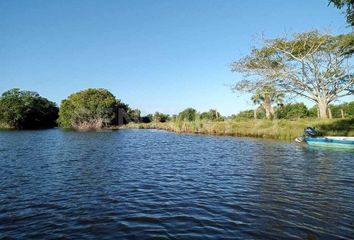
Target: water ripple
[{"x": 143, "y": 184}]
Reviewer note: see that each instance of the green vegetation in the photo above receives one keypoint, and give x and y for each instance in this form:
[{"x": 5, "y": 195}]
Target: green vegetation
[
  {"x": 26, "y": 110},
  {"x": 292, "y": 111},
  {"x": 89, "y": 109},
  {"x": 160, "y": 117},
  {"x": 266, "y": 96},
  {"x": 311, "y": 65},
  {"x": 349, "y": 11},
  {"x": 211, "y": 115},
  {"x": 288, "y": 123},
  {"x": 276, "y": 129},
  {"x": 189, "y": 114}
]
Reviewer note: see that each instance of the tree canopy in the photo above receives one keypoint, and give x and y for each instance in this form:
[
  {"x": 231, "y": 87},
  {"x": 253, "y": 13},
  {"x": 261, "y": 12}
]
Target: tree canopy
[
  {"x": 89, "y": 109},
  {"x": 312, "y": 65},
  {"x": 349, "y": 9},
  {"x": 26, "y": 110}
]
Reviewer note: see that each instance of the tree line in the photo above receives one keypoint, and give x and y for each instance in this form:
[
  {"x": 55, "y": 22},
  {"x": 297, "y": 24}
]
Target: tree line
[{"x": 99, "y": 108}]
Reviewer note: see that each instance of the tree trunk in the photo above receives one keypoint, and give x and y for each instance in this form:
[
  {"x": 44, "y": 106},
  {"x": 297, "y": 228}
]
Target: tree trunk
[
  {"x": 323, "y": 107},
  {"x": 342, "y": 112},
  {"x": 255, "y": 113},
  {"x": 268, "y": 109}
]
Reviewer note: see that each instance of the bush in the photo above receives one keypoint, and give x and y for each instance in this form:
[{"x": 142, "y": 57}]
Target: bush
[
  {"x": 160, "y": 117},
  {"x": 188, "y": 114},
  {"x": 249, "y": 114},
  {"x": 348, "y": 110},
  {"x": 292, "y": 111},
  {"x": 211, "y": 115},
  {"x": 147, "y": 119},
  {"x": 89, "y": 109},
  {"x": 26, "y": 110}
]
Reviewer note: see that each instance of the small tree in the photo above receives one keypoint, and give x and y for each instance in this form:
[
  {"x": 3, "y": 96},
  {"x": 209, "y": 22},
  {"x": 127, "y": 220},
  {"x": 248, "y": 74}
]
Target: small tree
[
  {"x": 134, "y": 115},
  {"x": 312, "y": 65},
  {"x": 160, "y": 117},
  {"x": 267, "y": 96},
  {"x": 189, "y": 114},
  {"x": 211, "y": 115}
]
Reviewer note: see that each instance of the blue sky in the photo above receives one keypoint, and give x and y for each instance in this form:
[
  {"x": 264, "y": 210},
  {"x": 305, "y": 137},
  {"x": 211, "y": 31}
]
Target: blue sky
[{"x": 155, "y": 55}]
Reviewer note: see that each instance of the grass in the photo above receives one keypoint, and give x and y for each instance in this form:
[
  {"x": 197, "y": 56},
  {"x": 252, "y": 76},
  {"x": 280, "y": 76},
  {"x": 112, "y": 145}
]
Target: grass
[{"x": 275, "y": 129}]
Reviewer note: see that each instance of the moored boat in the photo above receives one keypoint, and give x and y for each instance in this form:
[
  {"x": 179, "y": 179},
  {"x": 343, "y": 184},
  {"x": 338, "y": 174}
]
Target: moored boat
[
  {"x": 331, "y": 141},
  {"x": 311, "y": 138}
]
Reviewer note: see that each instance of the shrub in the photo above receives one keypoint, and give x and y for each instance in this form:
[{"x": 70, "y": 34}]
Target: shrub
[
  {"x": 26, "y": 110},
  {"x": 292, "y": 111},
  {"x": 211, "y": 115},
  {"x": 249, "y": 114},
  {"x": 189, "y": 114},
  {"x": 160, "y": 117}
]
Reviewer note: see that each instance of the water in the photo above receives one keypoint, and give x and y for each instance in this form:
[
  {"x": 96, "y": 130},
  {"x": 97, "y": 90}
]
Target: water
[{"x": 146, "y": 184}]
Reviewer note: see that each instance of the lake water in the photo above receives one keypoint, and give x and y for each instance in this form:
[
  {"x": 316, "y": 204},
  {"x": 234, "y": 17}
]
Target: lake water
[{"x": 148, "y": 184}]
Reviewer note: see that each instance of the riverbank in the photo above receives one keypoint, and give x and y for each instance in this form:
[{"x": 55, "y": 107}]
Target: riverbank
[{"x": 275, "y": 129}]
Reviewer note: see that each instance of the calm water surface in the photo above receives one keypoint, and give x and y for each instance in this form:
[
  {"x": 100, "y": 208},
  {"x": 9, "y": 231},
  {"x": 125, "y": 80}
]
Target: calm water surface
[{"x": 145, "y": 184}]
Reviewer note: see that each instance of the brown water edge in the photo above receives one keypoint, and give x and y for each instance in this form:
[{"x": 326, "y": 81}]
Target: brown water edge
[{"x": 275, "y": 129}]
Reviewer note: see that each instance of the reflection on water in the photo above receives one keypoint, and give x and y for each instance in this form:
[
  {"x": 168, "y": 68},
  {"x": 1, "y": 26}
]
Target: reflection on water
[{"x": 149, "y": 184}]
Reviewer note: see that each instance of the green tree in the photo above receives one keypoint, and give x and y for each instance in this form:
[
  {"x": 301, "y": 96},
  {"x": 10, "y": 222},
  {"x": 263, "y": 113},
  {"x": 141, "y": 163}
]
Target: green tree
[
  {"x": 266, "y": 97},
  {"x": 211, "y": 115},
  {"x": 147, "y": 119},
  {"x": 160, "y": 117},
  {"x": 134, "y": 115},
  {"x": 311, "y": 65},
  {"x": 292, "y": 111},
  {"x": 26, "y": 110},
  {"x": 346, "y": 108},
  {"x": 189, "y": 114},
  {"x": 349, "y": 9},
  {"x": 89, "y": 109}
]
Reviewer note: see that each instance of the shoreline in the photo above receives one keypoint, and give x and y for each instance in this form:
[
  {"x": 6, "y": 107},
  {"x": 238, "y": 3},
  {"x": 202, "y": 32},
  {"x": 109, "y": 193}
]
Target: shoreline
[{"x": 266, "y": 129}]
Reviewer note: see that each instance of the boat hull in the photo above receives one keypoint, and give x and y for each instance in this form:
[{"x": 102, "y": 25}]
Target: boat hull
[{"x": 331, "y": 141}]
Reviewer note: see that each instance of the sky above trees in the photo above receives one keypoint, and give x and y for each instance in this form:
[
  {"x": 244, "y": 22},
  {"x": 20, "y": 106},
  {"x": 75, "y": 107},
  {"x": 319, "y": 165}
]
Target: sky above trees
[{"x": 155, "y": 55}]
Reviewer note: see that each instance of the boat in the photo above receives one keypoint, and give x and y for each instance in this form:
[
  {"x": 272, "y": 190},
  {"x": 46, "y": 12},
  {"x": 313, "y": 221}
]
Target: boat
[
  {"x": 311, "y": 138},
  {"x": 330, "y": 141}
]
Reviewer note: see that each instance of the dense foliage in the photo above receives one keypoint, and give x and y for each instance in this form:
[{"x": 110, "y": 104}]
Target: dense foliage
[
  {"x": 347, "y": 109},
  {"x": 189, "y": 114},
  {"x": 349, "y": 9},
  {"x": 89, "y": 109},
  {"x": 293, "y": 111},
  {"x": 160, "y": 117},
  {"x": 211, "y": 115},
  {"x": 250, "y": 114},
  {"x": 26, "y": 110}
]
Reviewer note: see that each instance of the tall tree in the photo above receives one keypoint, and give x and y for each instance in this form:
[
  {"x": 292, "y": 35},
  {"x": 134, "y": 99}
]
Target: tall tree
[
  {"x": 349, "y": 11},
  {"x": 267, "y": 96},
  {"x": 311, "y": 65}
]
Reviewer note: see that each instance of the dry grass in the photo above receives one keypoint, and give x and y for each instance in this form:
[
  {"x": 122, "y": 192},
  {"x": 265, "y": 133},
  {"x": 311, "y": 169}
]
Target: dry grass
[{"x": 276, "y": 129}]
